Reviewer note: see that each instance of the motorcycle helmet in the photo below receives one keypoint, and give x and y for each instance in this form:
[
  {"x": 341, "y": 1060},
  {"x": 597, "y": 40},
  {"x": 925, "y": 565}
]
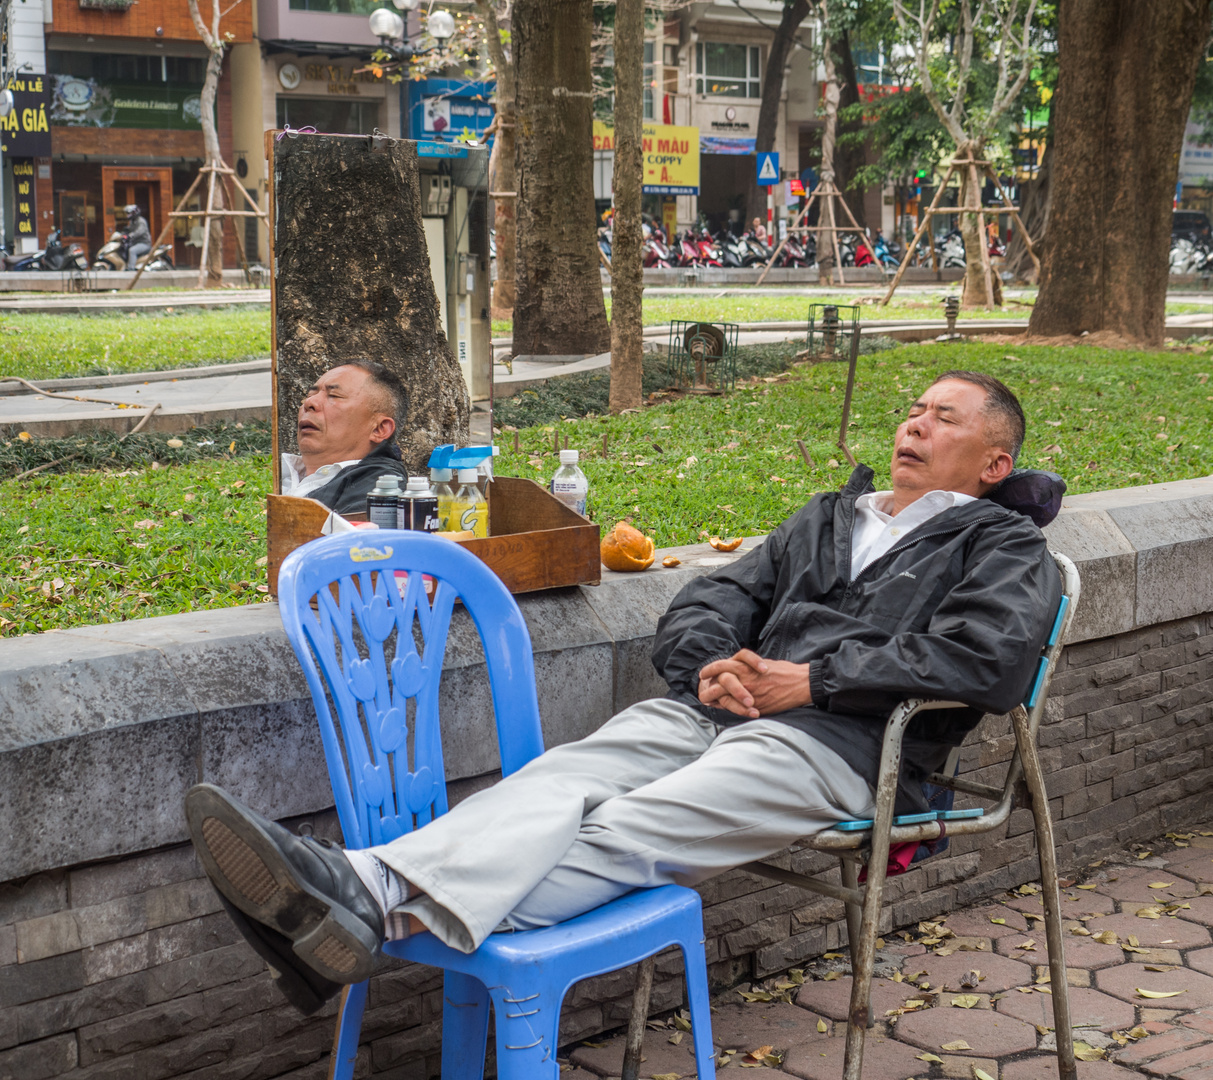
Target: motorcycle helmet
[{"x": 131, "y": 210}]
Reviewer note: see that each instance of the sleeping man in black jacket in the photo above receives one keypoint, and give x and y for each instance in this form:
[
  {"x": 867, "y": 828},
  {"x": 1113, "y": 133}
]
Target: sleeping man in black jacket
[
  {"x": 345, "y": 433},
  {"x": 782, "y": 669}
]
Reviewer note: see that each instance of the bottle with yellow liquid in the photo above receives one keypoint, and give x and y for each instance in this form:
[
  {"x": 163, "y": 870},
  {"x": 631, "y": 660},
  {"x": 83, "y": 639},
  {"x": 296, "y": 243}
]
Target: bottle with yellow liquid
[
  {"x": 469, "y": 507},
  {"x": 440, "y": 487}
]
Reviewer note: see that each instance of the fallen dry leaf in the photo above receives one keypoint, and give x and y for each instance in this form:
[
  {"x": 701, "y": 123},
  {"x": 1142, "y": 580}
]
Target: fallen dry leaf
[
  {"x": 981, "y": 1074},
  {"x": 1154, "y": 994},
  {"x": 928, "y": 1057},
  {"x": 958, "y": 1044},
  {"x": 965, "y": 1001},
  {"x": 821, "y": 1026},
  {"x": 1085, "y": 1052},
  {"x": 146, "y": 523}
]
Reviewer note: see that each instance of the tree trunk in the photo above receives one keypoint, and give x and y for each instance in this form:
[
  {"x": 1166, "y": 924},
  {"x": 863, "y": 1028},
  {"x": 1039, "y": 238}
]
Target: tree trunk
[
  {"x": 849, "y": 157},
  {"x": 829, "y": 216},
  {"x": 352, "y": 279},
  {"x": 772, "y": 93},
  {"x": 559, "y": 307},
  {"x": 1035, "y": 202},
  {"x": 627, "y": 265},
  {"x": 973, "y": 290},
  {"x": 1125, "y": 80},
  {"x": 502, "y": 173},
  {"x": 210, "y": 144}
]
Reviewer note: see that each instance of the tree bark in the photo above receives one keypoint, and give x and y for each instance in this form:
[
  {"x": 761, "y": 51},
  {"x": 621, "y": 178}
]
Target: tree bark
[
  {"x": 627, "y": 265},
  {"x": 829, "y": 218},
  {"x": 502, "y": 173},
  {"x": 973, "y": 288},
  {"x": 793, "y": 15},
  {"x": 1125, "y": 80},
  {"x": 849, "y": 157},
  {"x": 559, "y": 307},
  {"x": 352, "y": 279},
  {"x": 210, "y": 135},
  {"x": 1035, "y": 203}
]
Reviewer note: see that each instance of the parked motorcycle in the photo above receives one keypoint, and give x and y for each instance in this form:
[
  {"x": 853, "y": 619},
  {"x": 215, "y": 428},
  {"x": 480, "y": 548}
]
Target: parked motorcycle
[
  {"x": 56, "y": 256},
  {"x": 656, "y": 255},
  {"x": 950, "y": 249},
  {"x": 732, "y": 251},
  {"x": 709, "y": 254},
  {"x": 757, "y": 251},
  {"x": 112, "y": 255}
]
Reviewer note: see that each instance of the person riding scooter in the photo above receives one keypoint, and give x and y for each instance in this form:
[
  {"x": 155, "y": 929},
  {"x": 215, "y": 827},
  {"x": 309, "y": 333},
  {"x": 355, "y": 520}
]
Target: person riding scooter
[{"x": 139, "y": 236}]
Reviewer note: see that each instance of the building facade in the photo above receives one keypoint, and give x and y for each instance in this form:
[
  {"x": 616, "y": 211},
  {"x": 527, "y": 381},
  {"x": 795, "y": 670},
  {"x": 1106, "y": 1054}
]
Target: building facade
[{"x": 124, "y": 84}]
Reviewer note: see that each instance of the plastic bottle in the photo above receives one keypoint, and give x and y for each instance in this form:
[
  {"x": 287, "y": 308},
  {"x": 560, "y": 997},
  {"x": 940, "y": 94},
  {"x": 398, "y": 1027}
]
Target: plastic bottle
[
  {"x": 440, "y": 487},
  {"x": 469, "y": 508},
  {"x": 420, "y": 506},
  {"x": 383, "y": 502},
  {"x": 569, "y": 484}
]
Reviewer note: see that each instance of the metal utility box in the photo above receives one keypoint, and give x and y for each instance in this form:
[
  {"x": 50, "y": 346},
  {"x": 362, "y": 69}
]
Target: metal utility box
[{"x": 454, "y": 196}]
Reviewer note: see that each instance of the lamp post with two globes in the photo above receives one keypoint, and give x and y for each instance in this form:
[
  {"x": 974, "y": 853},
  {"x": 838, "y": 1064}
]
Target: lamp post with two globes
[{"x": 390, "y": 28}]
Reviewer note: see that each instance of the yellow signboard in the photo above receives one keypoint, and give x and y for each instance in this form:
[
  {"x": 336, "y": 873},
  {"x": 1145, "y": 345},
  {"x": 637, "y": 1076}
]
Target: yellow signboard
[{"x": 671, "y": 157}]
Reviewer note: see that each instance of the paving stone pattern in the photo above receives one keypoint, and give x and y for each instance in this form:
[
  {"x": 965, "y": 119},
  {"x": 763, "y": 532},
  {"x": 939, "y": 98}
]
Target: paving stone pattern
[{"x": 129, "y": 969}]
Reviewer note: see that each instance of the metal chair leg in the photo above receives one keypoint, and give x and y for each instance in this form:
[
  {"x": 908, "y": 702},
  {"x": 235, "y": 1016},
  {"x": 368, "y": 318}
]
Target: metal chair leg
[
  {"x": 640, "y": 1013},
  {"x": 1050, "y": 894},
  {"x": 850, "y": 880}
]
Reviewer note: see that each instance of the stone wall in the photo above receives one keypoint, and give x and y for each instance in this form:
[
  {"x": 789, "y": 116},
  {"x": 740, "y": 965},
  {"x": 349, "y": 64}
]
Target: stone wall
[{"x": 115, "y": 960}]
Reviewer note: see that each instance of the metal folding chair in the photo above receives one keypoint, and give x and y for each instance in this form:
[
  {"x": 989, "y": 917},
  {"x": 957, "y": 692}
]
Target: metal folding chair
[
  {"x": 368, "y": 615},
  {"x": 870, "y": 841}
]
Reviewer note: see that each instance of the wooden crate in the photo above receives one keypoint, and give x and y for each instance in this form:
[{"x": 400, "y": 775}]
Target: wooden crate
[{"x": 535, "y": 541}]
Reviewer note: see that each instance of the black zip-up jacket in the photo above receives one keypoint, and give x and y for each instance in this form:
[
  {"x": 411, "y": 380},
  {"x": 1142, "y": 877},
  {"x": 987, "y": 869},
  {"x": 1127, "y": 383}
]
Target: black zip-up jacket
[
  {"x": 347, "y": 491},
  {"x": 959, "y": 609}
]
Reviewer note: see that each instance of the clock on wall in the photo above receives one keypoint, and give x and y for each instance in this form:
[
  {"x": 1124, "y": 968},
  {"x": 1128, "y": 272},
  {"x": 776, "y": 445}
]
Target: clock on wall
[{"x": 290, "y": 76}]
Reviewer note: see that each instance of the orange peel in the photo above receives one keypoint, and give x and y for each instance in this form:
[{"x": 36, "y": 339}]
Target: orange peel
[
  {"x": 671, "y": 560},
  {"x": 627, "y": 549},
  {"x": 725, "y": 545}
]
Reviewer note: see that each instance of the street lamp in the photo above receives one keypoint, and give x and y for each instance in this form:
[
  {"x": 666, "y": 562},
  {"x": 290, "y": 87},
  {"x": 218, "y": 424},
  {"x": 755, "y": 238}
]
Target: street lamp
[{"x": 391, "y": 31}]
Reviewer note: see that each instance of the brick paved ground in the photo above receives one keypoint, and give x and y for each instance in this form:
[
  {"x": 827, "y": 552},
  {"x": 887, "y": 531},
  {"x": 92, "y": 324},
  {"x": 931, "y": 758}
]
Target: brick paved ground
[{"x": 1139, "y": 921}]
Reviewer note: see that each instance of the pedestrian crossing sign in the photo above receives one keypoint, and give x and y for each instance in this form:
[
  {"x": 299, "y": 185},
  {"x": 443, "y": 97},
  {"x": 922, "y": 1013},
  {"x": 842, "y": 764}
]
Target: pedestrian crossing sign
[{"x": 768, "y": 169}]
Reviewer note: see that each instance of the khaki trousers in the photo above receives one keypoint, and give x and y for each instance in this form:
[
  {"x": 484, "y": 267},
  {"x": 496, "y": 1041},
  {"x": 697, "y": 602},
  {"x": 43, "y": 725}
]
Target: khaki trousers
[{"x": 657, "y": 795}]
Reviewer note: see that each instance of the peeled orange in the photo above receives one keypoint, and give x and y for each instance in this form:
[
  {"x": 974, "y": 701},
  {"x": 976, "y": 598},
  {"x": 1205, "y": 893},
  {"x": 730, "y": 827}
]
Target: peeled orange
[{"x": 625, "y": 548}]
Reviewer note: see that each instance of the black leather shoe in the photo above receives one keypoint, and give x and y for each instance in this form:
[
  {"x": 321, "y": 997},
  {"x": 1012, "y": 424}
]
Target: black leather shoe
[
  {"x": 298, "y": 983},
  {"x": 299, "y": 887}
]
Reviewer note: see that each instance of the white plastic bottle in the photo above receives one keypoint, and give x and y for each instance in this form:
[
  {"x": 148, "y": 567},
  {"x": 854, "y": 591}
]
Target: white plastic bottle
[
  {"x": 469, "y": 508},
  {"x": 569, "y": 484}
]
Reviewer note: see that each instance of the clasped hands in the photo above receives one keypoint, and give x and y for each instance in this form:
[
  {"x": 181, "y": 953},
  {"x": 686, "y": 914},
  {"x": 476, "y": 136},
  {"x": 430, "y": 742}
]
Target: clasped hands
[{"x": 750, "y": 686}]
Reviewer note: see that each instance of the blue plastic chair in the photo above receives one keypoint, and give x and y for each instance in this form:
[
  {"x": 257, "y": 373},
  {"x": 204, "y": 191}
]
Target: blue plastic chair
[{"x": 350, "y": 614}]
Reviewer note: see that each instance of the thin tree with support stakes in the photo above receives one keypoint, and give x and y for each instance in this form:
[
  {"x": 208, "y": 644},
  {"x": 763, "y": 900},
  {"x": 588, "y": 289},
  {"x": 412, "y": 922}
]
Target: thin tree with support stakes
[
  {"x": 219, "y": 176},
  {"x": 1002, "y": 31}
]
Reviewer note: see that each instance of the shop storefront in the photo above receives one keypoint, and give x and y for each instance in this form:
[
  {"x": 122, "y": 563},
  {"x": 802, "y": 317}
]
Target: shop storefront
[
  {"x": 125, "y": 129},
  {"x": 330, "y": 94},
  {"x": 25, "y": 146}
]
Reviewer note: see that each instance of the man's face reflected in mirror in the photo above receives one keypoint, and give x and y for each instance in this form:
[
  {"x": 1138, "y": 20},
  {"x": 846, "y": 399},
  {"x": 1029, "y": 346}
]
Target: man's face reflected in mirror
[{"x": 344, "y": 416}]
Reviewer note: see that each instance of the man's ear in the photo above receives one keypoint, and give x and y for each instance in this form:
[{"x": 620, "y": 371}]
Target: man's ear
[
  {"x": 384, "y": 429},
  {"x": 997, "y": 469}
]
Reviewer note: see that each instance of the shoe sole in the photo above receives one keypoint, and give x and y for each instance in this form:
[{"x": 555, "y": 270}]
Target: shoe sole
[{"x": 245, "y": 865}]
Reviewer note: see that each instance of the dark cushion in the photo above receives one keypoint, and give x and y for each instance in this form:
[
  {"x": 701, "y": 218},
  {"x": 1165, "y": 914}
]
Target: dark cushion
[{"x": 1032, "y": 492}]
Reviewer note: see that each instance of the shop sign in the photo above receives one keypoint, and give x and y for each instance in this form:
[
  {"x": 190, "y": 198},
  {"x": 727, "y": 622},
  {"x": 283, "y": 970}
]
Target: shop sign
[
  {"x": 429, "y": 148},
  {"x": 26, "y": 132},
  {"x": 341, "y": 79},
  {"x": 443, "y": 109},
  {"x": 441, "y": 115},
  {"x": 94, "y": 103},
  {"x": 671, "y": 157},
  {"x": 23, "y": 197}
]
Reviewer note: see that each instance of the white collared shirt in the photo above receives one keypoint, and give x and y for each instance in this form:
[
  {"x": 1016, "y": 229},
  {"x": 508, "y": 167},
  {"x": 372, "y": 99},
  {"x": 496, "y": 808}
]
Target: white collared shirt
[
  {"x": 295, "y": 483},
  {"x": 877, "y": 531}
]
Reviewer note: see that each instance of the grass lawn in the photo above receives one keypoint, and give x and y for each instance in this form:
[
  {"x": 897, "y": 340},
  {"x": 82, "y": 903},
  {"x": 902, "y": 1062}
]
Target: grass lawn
[
  {"x": 98, "y": 547},
  {"x": 1101, "y": 418},
  {"x": 57, "y": 346},
  {"x": 75, "y": 549}
]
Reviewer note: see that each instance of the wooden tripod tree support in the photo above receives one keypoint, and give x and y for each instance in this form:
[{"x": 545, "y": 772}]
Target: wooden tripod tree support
[
  {"x": 829, "y": 194},
  {"x": 972, "y": 206},
  {"x": 228, "y": 178}
]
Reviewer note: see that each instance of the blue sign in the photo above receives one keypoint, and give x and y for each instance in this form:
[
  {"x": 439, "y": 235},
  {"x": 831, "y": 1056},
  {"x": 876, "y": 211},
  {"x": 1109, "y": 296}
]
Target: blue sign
[
  {"x": 444, "y": 109},
  {"x": 768, "y": 169},
  {"x": 429, "y": 148}
]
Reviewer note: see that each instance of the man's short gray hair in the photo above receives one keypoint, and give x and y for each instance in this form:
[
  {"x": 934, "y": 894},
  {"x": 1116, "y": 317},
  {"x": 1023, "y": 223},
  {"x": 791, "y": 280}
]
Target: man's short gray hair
[
  {"x": 1004, "y": 414},
  {"x": 387, "y": 391}
]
